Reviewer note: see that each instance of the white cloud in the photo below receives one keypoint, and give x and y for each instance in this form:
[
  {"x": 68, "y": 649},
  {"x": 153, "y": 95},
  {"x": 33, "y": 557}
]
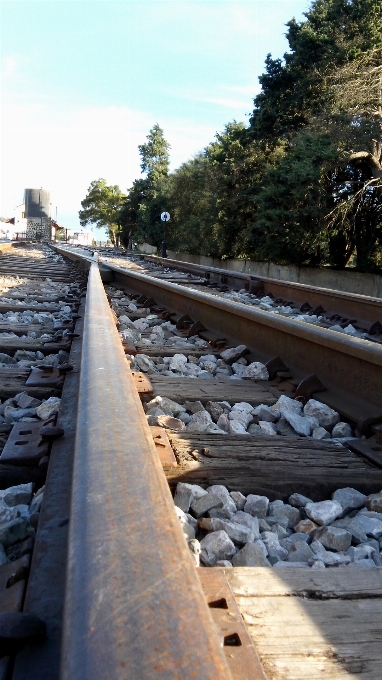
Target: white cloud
[{"x": 8, "y": 66}]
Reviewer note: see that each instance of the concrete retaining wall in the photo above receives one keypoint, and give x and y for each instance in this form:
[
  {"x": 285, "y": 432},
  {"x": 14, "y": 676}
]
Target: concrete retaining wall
[{"x": 348, "y": 281}]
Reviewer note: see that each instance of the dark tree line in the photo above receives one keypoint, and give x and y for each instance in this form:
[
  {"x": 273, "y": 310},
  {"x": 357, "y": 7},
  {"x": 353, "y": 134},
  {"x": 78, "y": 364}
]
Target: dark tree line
[{"x": 302, "y": 182}]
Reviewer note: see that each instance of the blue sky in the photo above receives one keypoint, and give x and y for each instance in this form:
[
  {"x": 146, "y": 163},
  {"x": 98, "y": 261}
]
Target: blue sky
[{"x": 84, "y": 80}]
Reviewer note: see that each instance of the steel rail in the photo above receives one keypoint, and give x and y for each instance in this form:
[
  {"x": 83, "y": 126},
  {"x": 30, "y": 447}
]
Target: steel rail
[
  {"x": 134, "y": 607},
  {"x": 362, "y": 307},
  {"x": 344, "y": 363}
]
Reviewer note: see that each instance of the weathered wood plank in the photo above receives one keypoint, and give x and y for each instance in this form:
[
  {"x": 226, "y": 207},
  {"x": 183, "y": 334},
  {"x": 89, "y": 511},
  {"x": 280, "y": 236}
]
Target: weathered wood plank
[
  {"x": 192, "y": 389},
  {"x": 341, "y": 583},
  {"x": 310, "y": 625},
  {"x": 25, "y": 306},
  {"x": 24, "y": 328},
  {"x": 272, "y": 466}
]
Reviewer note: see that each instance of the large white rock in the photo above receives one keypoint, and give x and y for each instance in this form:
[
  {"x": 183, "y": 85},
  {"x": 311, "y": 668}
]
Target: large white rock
[
  {"x": 238, "y": 499},
  {"x": 233, "y": 354},
  {"x": 143, "y": 363},
  {"x": 168, "y": 406},
  {"x": 245, "y": 518},
  {"x": 185, "y": 494},
  {"x": 242, "y": 406},
  {"x": 238, "y": 533},
  {"x": 194, "y": 548},
  {"x": 210, "y": 366},
  {"x": 349, "y": 499},
  {"x": 191, "y": 370},
  {"x": 216, "y": 546},
  {"x": 201, "y": 417},
  {"x": 7, "y": 513},
  {"x": 287, "y": 404},
  {"x": 264, "y": 412},
  {"x": 374, "y": 502},
  {"x": 194, "y": 406},
  {"x": 210, "y": 357},
  {"x": 13, "y": 531},
  {"x": 256, "y": 506},
  {"x": 342, "y": 430},
  {"x": 188, "y": 529},
  {"x": 171, "y": 423},
  {"x": 140, "y": 324},
  {"x": 125, "y": 321},
  {"x": 313, "y": 422},
  {"x": 242, "y": 417},
  {"x": 48, "y": 408},
  {"x": 223, "y": 493},
  {"x": 299, "y": 552},
  {"x": 320, "y": 433},
  {"x": 177, "y": 363},
  {"x": 323, "y": 512},
  {"x": 267, "y": 428},
  {"x": 16, "y": 495},
  {"x": 333, "y": 538},
  {"x": 214, "y": 409},
  {"x": 224, "y": 422},
  {"x": 252, "y": 555},
  {"x": 325, "y": 415},
  {"x": 291, "y": 514},
  {"x": 235, "y": 427},
  {"x": 275, "y": 551},
  {"x": 255, "y": 371},
  {"x": 300, "y": 424},
  {"x": 238, "y": 368}
]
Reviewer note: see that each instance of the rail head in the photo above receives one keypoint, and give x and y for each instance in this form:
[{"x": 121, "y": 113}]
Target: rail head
[
  {"x": 134, "y": 606},
  {"x": 355, "y": 347}
]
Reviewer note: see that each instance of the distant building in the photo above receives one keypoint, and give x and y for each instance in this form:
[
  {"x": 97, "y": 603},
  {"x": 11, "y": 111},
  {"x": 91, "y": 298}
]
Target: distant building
[
  {"x": 15, "y": 227},
  {"x": 38, "y": 214},
  {"x": 83, "y": 237}
]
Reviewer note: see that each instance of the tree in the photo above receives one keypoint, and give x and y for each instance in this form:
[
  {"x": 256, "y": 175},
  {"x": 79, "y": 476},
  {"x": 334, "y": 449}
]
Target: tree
[
  {"x": 334, "y": 33},
  {"x": 353, "y": 119},
  {"x": 155, "y": 159},
  {"x": 192, "y": 204},
  {"x": 102, "y": 206},
  {"x": 147, "y": 197}
]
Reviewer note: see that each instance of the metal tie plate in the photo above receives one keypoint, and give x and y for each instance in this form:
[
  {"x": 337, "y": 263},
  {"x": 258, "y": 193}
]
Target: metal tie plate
[
  {"x": 43, "y": 378},
  {"x": 238, "y": 647},
  {"x": 163, "y": 447},
  {"x": 142, "y": 383},
  {"x": 25, "y": 445}
]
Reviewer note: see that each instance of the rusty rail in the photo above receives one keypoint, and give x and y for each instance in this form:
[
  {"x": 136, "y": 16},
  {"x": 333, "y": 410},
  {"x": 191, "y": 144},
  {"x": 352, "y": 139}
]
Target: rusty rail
[
  {"x": 134, "y": 606},
  {"x": 341, "y": 362},
  {"x": 362, "y": 307}
]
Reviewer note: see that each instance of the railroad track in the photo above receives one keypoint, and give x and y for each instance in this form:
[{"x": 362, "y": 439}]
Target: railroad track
[
  {"x": 349, "y": 313},
  {"x": 113, "y": 591}
]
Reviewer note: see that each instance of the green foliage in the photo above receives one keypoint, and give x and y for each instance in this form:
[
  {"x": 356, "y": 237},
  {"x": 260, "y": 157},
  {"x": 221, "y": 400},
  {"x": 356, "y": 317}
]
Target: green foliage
[
  {"x": 102, "y": 207},
  {"x": 334, "y": 33},
  {"x": 147, "y": 198},
  {"x": 293, "y": 202},
  {"x": 155, "y": 155}
]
